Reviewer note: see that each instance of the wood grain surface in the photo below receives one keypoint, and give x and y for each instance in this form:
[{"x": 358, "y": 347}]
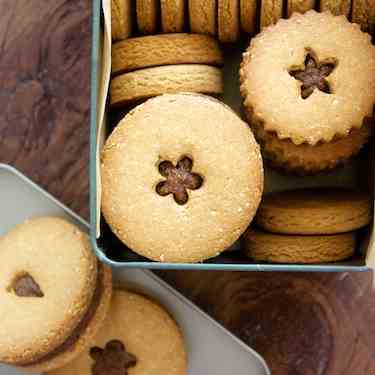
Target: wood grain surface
[
  {"x": 44, "y": 94},
  {"x": 303, "y": 324}
]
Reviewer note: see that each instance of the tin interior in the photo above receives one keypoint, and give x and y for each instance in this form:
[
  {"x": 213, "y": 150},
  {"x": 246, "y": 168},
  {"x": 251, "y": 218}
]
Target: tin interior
[{"x": 113, "y": 251}]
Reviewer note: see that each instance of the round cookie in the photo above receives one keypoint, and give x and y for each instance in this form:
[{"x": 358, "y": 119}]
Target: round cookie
[
  {"x": 188, "y": 169},
  {"x": 203, "y": 16},
  {"x": 309, "y": 160},
  {"x": 248, "y": 13},
  {"x": 228, "y": 20},
  {"x": 279, "y": 248},
  {"x": 55, "y": 295},
  {"x": 336, "y": 7},
  {"x": 165, "y": 49},
  {"x": 138, "y": 335},
  {"x": 271, "y": 11},
  {"x": 363, "y": 13},
  {"x": 121, "y": 19},
  {"x": 309, "y": 95},
  {"x": 147, "y": 13},
  {"x": 314, "y": 211},
  {"x": 172, "y": 15},
  {"x": 145, "y": 83},
  {"x": 301, "y": 6}
]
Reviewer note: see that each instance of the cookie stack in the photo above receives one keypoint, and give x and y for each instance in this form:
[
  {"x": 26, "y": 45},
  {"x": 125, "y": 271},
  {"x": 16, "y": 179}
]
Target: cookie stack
[
  {"x": 300, "y": 97},
  {"x": 225, "y": 19},
  {"x": 308, "y": 226},
  {"x": 60, "y": 316},
  {"x": 156, "y": 64},
  {"x": 138, "y": 337}
]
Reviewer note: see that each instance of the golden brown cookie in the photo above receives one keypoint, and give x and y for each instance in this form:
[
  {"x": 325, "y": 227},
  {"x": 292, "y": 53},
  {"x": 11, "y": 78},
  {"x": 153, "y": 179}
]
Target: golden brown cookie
[
  {"x": 314, "y": 211},
  {"x": 138, "y": 335},
  {"x": 145, "y": 83},
  {"x": 121, "y": 19},
  {"x": 182, "y": 178},
  {"x": 147, "y": 13},
  {"x": 271, "y": 11},
  {"x": 363, "y": 13},
  {"x": 55, "y": 294},
  {"x": 228, "y": 20},
  {"x": 308, "y": 160},
  {"x": 301, "y": 6},
  {"x": 203, "y": 16},
  {"x": 308, "y": 95},
  {"x": 336, "y": 7},
  {"x": 248, "y": 12},
  {"x": 280, "y": 248},
  {"x": 165, "y": 49},
  {"x": 172, "y": 15}
]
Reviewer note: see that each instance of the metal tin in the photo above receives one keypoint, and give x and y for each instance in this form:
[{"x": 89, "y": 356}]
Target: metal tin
[
  {"x": 211, "y": 348},
  {"x": 112, "y": 251}
]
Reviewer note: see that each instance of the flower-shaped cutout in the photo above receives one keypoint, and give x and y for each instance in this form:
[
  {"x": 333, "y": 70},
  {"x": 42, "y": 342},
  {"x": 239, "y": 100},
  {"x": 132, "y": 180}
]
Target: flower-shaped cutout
[
  {"x": 314, "y": 74},
  {"x": 178, "y": 179},
  {"x": 112, "y": 360}
]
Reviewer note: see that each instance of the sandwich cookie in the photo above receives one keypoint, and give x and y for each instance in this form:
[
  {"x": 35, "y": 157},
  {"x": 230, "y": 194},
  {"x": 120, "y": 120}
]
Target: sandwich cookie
[
  {"x": 54, "y": 294},
  {"x": 182, "y": 177},
  {"x": 138, "y": 337}
]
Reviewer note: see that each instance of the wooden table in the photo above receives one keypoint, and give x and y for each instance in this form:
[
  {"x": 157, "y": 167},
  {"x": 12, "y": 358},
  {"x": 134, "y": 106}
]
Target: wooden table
[{"x": 303, "y": 324}]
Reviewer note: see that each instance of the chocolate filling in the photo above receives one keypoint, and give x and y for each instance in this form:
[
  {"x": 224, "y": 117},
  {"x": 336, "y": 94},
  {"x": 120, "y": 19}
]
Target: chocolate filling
[
  {"x": 81, "y": 327},
  {"x": 313, "y": 74},
  {"x": 178, "y": 179}
]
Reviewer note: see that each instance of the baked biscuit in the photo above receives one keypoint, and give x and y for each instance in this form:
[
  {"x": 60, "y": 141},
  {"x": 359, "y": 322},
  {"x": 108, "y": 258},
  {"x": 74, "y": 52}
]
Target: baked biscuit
[
  {"x": 228, "y": 20},
  {"x": 278, "y": 248},
  {"x": 139, "y": 336},
  {"x": 203, "y": 16},
  {"x": 147, "y": 15},
  {"x": 248, "y": 13},
  {"x": 55, "y": 294},
  {"x": 309, "y": 160},
  {"x": 363, "y": 13},
  {"x": 271, "y": 11},
  {"x": 301, "y": 6},
  {"x": 182, "y": 178},
  {"x": 145, "y": 83},
  {"x": 172, "y": 15},
  {"x": 121, "y": 19},
  {"x": 309, "y": 95},
  {"x": 314, "y": 211},
  {"x": 165, "y": 49},
  {"x": 336, "y": 7}
]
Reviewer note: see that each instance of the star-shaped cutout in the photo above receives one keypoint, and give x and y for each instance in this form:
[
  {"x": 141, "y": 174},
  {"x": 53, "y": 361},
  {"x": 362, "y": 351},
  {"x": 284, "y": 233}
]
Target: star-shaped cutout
[
  {"x": 112, "y": 360},
  {"x": 314, "y": 74},
  {"x": 178, "y": 179}
]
